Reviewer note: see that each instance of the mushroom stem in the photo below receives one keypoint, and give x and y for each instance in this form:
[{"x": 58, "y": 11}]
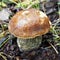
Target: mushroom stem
[{"x": 29, "y": 44}]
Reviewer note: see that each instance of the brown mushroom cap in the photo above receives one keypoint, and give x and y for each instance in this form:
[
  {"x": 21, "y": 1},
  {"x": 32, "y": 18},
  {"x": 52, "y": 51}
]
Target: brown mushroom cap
[{"x": 29, "y": 24}]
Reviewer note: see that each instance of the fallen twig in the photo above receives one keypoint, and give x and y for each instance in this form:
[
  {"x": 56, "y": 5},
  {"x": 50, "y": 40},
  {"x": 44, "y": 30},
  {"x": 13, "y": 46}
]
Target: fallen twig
[{"x": 53, "y": 47}]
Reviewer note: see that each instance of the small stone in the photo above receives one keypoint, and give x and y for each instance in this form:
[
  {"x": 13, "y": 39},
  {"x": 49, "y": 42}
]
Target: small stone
[
  {"x": 49, "y": 11},
  {"x": 49, "y": 4},
  {"x": 4, "y": 14}
]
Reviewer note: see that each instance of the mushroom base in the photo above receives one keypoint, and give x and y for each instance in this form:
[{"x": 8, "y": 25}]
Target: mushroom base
[{"x": 29, "y": 44}]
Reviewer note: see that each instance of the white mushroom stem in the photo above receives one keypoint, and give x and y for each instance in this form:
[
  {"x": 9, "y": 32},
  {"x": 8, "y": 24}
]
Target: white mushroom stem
[{"x": 28, "y": 44}]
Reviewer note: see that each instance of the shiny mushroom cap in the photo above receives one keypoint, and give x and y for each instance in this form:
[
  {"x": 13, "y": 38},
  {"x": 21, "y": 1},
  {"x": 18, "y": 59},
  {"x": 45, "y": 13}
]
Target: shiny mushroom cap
[{"x": 29, "y": 24}]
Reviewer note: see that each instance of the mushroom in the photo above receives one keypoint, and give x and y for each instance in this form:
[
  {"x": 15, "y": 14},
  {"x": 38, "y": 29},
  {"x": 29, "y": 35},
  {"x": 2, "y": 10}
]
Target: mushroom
[{"x": 29, "y": 26}]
